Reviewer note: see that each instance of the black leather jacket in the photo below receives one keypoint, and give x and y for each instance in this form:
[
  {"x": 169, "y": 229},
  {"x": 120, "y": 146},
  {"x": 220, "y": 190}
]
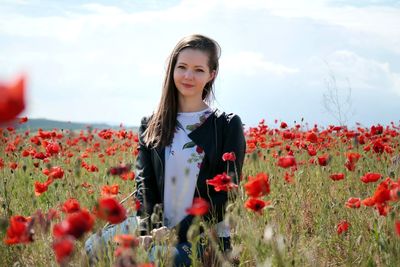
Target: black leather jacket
[{"x": 220, "y": 133}]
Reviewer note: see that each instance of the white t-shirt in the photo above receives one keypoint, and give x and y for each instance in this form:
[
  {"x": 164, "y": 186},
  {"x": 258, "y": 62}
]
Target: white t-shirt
[{"x": 182, "y": 166}]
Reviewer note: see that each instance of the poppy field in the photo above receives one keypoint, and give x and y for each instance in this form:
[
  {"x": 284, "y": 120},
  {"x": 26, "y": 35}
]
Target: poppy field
[{"x": 308, "y": 195}]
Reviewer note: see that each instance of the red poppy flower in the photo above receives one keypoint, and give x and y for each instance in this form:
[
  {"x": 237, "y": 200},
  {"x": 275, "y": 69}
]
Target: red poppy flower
[
  {"x": 18, "y": 231},
  {"x": 110, "y": 190},
  {"x": 311, "y": 137},
  {"x": 289, "y": 177},
  {"x": 222, "y": 182},
  {"x": 137, "y": 204},
  {"x": 86, "y": 185},
  {"x": 283, "y": 125},
  {"x": 382, "y": 192},
  {"x": 127, "y": 176},
  {"x": 352, "y": 158},
  {"x": 199, "y": 207},
  {"x": 126, "y": 240},
  {"x": 395, "y": 191},
  {"x": 199, "y": 150},
  {"x": 342, "y": 227},
  {"x": 257, "y": 186},
  {"x": 23, "y": 120},
  {"x": 337, "y": 176},
  {"x": 311, "y": 150},
  {"x": 370, "y": 177},
  {"x": 40, "y": 188},
  {"x": 13, "y": 165},
  {"x": 76, "y": 224},
  {"x": 63, "y": 248},
  {"x": 286, "y": 161},
  {"x": 121, "y": 169},
  {"x": 229, "y": 156},
  {"x": 256, "y": 204},
  {"x": 54, "y": 172},
  {"x": 368, "y": 202},
  {"x": 111, "y": 210},
  {"x": 323, "y": 160},
  {"x": 353, "y": 203},
  {"x": 53, "y": 148},
  {"x": 383, "y": 208},
  {"x": 375, "y": 130},
  {"x": 12, "y": 99},
  {"x": 71, "y": 205},
  {"x": 378, "y": 146},
  {"x": 397, "y": 227}
]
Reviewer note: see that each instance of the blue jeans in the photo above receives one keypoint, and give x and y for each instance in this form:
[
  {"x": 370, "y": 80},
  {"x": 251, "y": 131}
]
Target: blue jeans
[
  {"x": 96, "y": 245},
  {"x": 182, "y": 252}
]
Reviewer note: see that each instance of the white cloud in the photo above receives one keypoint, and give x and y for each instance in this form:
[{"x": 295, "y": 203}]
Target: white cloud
[
  {"x": 252, "y": 63},
  {"x": 361, "y": 72},
  {"x": 382, "y": 21}
]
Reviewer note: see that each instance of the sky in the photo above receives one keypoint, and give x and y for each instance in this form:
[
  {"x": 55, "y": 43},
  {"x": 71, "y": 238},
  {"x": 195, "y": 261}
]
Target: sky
[{"x": 104, "y": 61}]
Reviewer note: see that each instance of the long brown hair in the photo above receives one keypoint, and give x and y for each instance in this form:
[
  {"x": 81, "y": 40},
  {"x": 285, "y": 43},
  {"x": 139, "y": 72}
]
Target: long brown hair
[{"x": 161, "y": 125}]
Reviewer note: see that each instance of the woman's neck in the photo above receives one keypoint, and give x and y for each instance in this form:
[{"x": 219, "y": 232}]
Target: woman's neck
[{"x": 191, "y": 105}]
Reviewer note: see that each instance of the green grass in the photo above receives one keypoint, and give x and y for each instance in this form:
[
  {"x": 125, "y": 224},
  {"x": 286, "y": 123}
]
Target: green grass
[{"x": 297, "y": 229}]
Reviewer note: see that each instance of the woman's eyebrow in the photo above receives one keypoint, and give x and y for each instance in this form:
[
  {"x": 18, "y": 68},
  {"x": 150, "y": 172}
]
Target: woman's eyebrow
[{"x": 197, "y": 66}]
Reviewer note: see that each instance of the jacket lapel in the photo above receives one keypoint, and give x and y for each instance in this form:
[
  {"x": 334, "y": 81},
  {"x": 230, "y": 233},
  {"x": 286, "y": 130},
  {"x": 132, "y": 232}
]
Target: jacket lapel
[{"x": 204, "y": 137}]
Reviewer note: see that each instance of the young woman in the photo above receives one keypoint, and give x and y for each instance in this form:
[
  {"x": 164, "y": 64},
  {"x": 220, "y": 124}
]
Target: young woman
[{"x": 181, "y": 146}]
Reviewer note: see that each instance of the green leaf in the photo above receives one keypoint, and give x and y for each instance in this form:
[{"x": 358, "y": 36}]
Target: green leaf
[{"x": 189, "y": 145}]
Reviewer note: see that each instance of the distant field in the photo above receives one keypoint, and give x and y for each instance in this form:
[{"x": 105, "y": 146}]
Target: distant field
[{"x": 45, "y": 124}]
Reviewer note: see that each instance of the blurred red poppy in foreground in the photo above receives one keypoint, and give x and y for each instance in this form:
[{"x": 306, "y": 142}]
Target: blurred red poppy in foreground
[
  {"x": 19, "y": 231},
  {"x": 111, "y": 210},
  {"x": 71, "y": 205},
  {"x": 63, "y": 248},
  {"x": 126, "y": 240},
  {"x": 12, "y": 99},
  {"x": 199, "y": 208},
  {"x": 76, "y": 224}
]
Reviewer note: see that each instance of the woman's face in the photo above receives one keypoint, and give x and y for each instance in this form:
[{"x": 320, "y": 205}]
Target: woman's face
[{"x": 192, "y": 73}]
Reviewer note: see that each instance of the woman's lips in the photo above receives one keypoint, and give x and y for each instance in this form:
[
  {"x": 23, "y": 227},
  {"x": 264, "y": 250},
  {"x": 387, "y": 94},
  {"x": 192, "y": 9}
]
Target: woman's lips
[{"x": 187, "y": 85}]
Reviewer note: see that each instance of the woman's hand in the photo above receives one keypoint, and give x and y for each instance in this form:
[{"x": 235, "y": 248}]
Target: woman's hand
[
  {"x": 145, "y": 241},
  {"x": 159, "y": 234}
]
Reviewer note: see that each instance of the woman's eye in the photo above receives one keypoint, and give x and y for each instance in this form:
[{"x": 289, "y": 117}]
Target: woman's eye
[
  {"x": 200, "y": 70},
  {"x": 181, "y": 67}
]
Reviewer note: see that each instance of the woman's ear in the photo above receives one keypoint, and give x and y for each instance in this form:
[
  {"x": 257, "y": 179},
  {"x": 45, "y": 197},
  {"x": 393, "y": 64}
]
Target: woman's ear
[{"x": 212, "y": 75}]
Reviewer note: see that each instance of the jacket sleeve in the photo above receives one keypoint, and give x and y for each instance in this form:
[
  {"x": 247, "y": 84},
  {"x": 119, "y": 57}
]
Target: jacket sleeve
[
  {"x": 233, "y": 141},
  {"x": 146, "y": 185}
]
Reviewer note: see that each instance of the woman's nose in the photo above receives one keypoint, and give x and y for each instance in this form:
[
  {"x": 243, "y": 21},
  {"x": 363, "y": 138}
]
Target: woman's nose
[{"x": 188, "y": 74}]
